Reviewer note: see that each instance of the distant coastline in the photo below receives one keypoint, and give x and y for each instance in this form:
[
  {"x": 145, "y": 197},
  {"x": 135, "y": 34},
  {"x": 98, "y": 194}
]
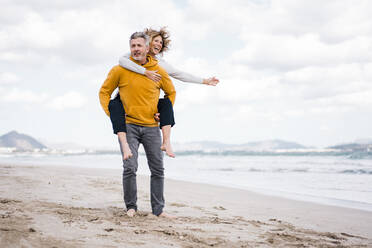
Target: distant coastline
[{"x": 17, "y": 143}]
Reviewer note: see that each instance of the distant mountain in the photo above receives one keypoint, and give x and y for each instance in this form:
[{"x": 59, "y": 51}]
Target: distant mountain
[
  {"x": 201, "y": 145},
  {"x": 268, "y": 145},
  {"x": 354, "y": 147},
  {"x": 20, "y": 141},
  {"x": 363, "y": 141}
]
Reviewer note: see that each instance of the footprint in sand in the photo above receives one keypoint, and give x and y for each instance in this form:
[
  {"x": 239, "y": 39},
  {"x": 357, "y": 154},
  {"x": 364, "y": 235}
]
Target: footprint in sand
[
  {"x": 179, "y": 205},
  {"x": 219, "y": 208},
  {"x": 7, "y": 201}
]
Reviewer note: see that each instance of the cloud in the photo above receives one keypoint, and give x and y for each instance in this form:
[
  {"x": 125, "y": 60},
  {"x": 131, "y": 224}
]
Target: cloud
[
  {"x": 76, "y": 32},
  {"x": 277, "y": 60},
  {"x": 327, "y": 81},
  {"x": 16, "y": 95},
  {"x": 288, "y": 52},
  {"x": 10, "y": 56},
  {"x": 8, "y": 78},
  {"x": 69, "y": 100},
  {"x": 351, "y": 101}
]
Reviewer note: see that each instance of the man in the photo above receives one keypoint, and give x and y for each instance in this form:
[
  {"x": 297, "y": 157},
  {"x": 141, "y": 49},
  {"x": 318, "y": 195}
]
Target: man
[{"x": 140, "y": 97}]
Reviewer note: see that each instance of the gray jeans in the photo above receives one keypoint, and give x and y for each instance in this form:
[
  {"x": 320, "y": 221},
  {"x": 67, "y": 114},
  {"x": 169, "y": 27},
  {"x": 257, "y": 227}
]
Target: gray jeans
[{"x": 150, "y": 138}]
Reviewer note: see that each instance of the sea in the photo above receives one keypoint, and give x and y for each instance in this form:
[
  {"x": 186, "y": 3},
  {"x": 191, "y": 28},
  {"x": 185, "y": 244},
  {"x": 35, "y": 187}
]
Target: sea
[{"x": 338, "y": 180}]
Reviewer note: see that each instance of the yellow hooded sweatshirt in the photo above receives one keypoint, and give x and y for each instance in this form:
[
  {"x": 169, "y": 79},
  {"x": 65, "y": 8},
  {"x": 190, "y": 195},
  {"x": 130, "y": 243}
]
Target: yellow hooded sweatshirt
[{"x": 139, "y": 94}]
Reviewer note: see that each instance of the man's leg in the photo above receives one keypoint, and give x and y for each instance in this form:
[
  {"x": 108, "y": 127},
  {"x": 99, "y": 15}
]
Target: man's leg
[
  {"x": 152, "y": 142},
  {"x": 130, "y": 168}
]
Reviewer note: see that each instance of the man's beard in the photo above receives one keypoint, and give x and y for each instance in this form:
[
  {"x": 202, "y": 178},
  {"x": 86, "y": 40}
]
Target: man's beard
[{"x": 138, "y": 57}]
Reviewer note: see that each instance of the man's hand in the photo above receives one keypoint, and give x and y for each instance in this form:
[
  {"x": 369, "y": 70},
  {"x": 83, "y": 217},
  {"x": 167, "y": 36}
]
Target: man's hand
[
  {"x": 157, "y": 117},
  {"x": 153, "y": 75},
  {"x": 213, "y": 81}
]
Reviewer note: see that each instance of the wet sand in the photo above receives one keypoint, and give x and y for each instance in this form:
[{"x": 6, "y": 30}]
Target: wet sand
[{"x": 43, "y": 206}]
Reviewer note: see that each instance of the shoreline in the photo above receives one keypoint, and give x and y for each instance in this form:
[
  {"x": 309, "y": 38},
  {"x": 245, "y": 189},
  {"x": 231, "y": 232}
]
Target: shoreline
[
  {"x": 311, "y": 198},
  {"x": 73, "y": 197}
]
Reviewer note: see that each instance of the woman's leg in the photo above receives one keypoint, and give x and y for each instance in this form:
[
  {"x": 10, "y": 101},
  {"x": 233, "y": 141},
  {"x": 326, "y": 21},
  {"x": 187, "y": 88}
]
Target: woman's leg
[
  {"x": 117, "y": 117},
  {"x": 165, "y": 109}
]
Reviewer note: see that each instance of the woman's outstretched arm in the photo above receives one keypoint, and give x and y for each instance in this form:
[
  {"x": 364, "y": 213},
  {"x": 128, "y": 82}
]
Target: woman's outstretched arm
[{"x": 186, "y": 77}]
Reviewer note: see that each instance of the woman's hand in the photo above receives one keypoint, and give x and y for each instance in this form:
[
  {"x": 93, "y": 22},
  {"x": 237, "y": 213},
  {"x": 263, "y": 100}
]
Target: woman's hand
[
  {"x": 213, "y": 81},
  {"x": 153, "y": 75},
  {"x": 157, "y": 117}
]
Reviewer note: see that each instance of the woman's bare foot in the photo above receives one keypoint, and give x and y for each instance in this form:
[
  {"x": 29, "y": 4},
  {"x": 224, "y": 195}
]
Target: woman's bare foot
[
  {"x": 131, "y": 212},
  {"x": 166, "y": 146},
  {"x": 127, "y": 153}
]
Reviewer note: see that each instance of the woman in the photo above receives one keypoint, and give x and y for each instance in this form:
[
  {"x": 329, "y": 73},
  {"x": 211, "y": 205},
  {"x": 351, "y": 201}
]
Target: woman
[{"x": 159, "y": 43}]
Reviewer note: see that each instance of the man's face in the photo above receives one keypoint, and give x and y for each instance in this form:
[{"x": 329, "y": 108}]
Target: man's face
[{"x": 138, "y": 49}]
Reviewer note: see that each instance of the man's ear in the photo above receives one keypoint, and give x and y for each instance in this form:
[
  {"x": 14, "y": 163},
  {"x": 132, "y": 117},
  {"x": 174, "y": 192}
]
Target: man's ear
[{"x": 147, "y": 49}]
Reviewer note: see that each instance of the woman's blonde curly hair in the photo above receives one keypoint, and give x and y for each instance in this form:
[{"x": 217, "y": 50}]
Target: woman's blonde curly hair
[{"x": 163, "y": 33}]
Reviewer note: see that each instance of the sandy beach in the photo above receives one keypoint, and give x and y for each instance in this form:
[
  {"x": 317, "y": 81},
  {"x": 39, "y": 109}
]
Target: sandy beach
[{"x": 43, "y": 206}]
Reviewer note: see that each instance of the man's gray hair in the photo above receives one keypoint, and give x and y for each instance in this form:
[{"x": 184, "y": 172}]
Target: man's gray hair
[{"x": 142, "y": 35}]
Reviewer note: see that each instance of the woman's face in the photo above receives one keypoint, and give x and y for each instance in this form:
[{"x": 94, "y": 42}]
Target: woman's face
[{"x": 156, "y": 45}]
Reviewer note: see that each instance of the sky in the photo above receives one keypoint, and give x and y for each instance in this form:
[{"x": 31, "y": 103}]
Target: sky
[{"x": 294, "y": 70}]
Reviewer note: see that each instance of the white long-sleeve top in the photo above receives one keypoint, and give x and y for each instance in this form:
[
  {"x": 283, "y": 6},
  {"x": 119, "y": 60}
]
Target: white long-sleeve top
[{"x": 125, "y": 62}]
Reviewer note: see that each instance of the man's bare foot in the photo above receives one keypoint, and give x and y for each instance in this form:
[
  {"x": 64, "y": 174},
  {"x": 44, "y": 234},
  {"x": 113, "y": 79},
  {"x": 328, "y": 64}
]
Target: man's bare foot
[
  {"x": 131, "y": 212},
  {"x": 166, "y": 146},
  {"x": 164, "y": 215},
  {"x": 127, "y": 153}
]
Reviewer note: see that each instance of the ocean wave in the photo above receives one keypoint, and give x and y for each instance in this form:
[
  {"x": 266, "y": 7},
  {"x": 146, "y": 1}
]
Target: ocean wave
[
  {"x": 360, "y": 155},
  {"x": 294, "y": 170},
  {"x": 300, "y": 170},
  {"x": 240, "y": 169},
  {"x": 223, "y": 153},
  {"x": 285, "y": 170},
  {"x": 254, "y": 169},
  {"x": 356, "y": 171},
  {"x": 218, "y": 153}
]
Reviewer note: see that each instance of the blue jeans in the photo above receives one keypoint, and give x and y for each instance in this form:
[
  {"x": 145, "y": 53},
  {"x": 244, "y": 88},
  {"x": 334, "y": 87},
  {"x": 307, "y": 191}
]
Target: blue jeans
[{"x": 150, "y": 138}]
